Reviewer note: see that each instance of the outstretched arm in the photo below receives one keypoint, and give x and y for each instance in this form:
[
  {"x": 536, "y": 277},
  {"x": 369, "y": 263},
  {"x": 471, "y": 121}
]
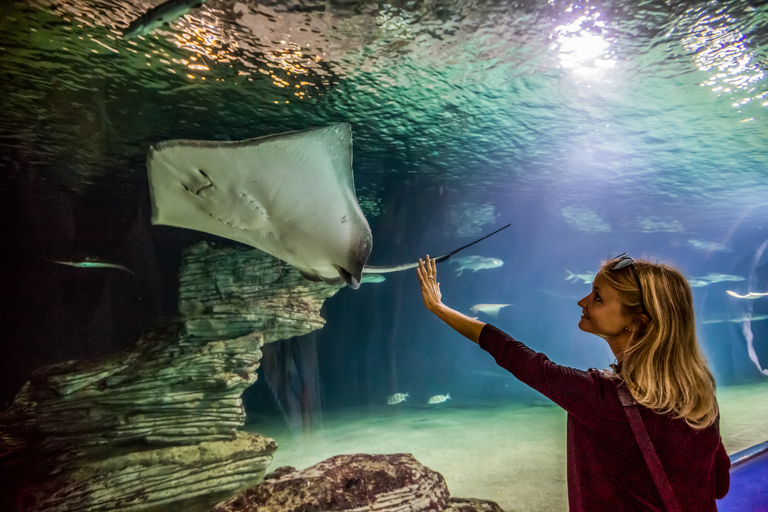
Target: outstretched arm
[{"x": 430, "y": 292}]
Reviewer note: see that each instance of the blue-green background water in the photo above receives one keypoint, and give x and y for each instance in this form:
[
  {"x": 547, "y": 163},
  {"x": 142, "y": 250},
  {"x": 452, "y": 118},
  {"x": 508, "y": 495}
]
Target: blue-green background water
[{"x": 593, "y": 127}]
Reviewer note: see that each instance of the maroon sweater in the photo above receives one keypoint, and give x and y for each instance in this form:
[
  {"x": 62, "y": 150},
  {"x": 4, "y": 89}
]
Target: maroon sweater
[{"x": 606, "y": 469}]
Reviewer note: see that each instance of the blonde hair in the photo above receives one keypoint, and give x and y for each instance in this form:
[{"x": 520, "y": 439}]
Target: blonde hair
[{"x": 664, "y": 367}]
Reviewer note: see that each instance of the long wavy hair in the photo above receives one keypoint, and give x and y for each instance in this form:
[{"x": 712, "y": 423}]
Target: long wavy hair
[{"x": 664, "y": 368}]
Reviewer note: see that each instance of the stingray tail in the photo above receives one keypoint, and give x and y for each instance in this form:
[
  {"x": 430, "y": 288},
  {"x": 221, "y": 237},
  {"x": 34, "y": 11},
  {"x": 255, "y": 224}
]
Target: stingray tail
[
  {"x": 371, "y": 269},
  {"x": 444, "y": 257}
]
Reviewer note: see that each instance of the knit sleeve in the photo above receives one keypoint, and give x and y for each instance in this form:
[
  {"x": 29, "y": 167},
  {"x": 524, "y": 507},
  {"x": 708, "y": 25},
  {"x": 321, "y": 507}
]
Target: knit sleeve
[{"x": 580, "y": 393}]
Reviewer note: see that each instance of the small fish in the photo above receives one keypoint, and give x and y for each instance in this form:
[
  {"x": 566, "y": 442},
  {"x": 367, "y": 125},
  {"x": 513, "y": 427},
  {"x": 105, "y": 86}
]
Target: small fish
[
  {"x": 660, "y": 225},
  {"x": 697, "y": 283},
  {"x": 163, "y": 14},
  {"x": 584, "y": 278},
  {"x": 488, "y": 309},
  {"x": 712, "y": 277},
  {"x": 397, "y": 398},
  {"x": 703, "y": 245},
  {"x": 750, "y": 295},
  {"x": 738, "y": 320},
  {"x": 559, "y": 295},
  {"x": 91, "y": 263},
  {"x": 373, "y": 278},
  {"x": 475, "y": 263},
  {"x": 496, "y": 374},
  {"x": 439, "y": 399}
]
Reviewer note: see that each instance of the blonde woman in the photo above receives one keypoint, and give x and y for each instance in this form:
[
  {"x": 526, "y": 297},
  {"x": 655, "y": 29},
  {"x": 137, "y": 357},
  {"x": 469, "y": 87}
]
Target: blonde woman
[{"x": 644, "y": 311}]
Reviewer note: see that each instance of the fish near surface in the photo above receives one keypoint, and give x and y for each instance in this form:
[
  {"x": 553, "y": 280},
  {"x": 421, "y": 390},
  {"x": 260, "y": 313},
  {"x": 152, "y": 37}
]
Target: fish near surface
[{"x": 163, "y": 14}]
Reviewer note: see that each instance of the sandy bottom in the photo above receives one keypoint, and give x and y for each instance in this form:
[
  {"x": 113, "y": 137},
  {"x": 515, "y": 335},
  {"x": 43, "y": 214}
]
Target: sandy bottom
[{"x": 513, "y": 455}]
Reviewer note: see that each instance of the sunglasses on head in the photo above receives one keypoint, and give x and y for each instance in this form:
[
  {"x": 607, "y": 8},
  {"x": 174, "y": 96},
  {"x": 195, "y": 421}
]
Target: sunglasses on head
[{"x": 624, "y": 260}]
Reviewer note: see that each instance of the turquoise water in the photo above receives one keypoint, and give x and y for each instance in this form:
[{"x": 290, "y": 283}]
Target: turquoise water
[{"x": 593, "y": 128}]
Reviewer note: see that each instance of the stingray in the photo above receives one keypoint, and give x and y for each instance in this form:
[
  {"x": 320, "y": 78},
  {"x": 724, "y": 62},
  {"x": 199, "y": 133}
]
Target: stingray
[{"x": 291, "y": 195}]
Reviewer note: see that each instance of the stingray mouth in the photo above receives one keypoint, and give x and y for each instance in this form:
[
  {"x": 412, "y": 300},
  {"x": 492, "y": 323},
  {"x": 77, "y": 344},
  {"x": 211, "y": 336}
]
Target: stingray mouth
[{"x": 352, "y": 281}]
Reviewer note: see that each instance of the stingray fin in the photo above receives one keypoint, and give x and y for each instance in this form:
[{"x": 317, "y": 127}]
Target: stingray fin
[
  {"x": 291, "y": 195},
  {"x": 310, "y": 276}
]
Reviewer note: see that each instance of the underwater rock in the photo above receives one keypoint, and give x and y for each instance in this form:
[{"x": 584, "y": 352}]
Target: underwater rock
[
  {"x": 135, "y": 430},
  {"x": 189, "y": 478},
  {"x": 472, "y": 505},
  {"x": 226, "y": 292},
  {"x": 156, "y": 427},
  {"x": 167, "y": 391},
  {"x": 361, "y": 482}
]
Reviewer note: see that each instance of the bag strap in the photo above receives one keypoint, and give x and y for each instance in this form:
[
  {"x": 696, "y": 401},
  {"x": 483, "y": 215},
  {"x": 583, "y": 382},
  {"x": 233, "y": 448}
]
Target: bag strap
[{"x": 646, "y": 446}]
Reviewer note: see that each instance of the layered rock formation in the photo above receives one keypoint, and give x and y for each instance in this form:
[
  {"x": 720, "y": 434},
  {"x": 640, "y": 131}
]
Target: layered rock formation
[
  {"x": 155, "y": 427},
  {"x": 355, "y": 483}
]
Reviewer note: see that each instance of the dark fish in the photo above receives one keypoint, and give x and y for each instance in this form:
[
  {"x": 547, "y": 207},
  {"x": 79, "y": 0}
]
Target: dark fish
[
  {"x": 163, "y": 14},
  {"x": 91, "y": 263}
]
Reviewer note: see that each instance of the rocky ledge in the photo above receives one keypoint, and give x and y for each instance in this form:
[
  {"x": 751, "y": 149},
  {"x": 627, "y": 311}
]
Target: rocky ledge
[
  {"x": 355, "y": 483},
  {"x": 156, "y": 427}
]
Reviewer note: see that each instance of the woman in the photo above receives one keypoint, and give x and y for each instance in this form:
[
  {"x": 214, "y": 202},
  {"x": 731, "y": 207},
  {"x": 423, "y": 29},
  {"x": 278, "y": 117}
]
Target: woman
[{"x": 644, "y": 311}]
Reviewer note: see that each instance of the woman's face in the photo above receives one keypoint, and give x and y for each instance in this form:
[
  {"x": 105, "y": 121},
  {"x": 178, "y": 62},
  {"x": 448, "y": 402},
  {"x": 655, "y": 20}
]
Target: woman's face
[{"x": 602, "y": 312}]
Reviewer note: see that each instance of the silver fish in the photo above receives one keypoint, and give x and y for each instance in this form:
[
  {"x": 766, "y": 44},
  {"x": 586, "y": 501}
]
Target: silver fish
[
  {"x": 163, "y": 14},
  {"x": 372, "y": 278},
  {"x": 749, "y": 296},
  {"x": 439, "y": 399},
  {"x": 397, "y": 398},
  {"x": 703, "y": 245},
  {"x": 584, "y": 278},
  {"x": 475, "y": 263},
  {"x": 738, "y": 320},
  {"x": 697, "y": 283},
  {"x": 489, "y": 309},
  {"x": 713, "y": 277}
]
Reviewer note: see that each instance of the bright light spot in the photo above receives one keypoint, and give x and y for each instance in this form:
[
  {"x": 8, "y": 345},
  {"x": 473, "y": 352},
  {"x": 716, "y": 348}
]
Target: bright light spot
[
  {"x": 721, "y": 48},
  {"x": 582, "y": 47},
  {"x": 576, "y": 50}
]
